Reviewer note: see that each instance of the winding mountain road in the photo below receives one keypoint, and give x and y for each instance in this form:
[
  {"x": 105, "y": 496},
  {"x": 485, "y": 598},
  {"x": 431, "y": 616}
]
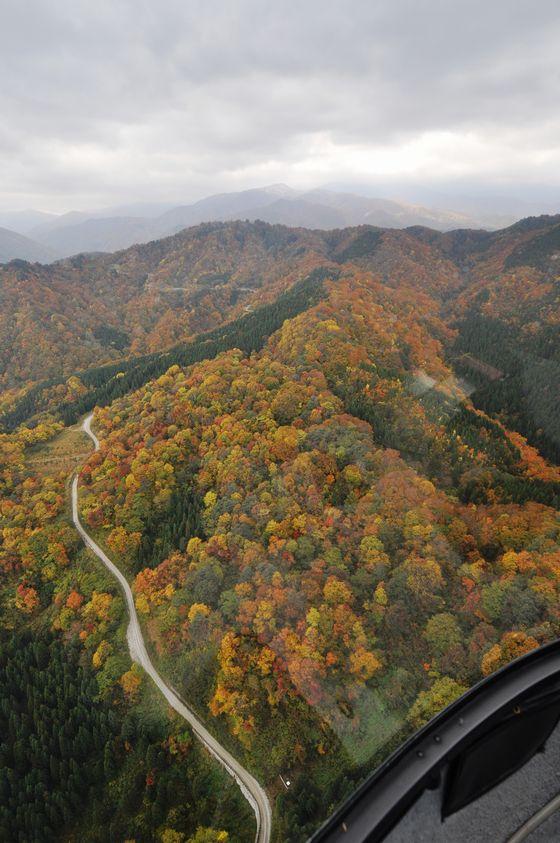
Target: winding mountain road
[{"x": 253, "y": 792}]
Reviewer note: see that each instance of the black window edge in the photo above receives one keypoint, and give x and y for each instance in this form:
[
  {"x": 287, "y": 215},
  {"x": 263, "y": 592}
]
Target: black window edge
[{"x": 385, "y": 796}]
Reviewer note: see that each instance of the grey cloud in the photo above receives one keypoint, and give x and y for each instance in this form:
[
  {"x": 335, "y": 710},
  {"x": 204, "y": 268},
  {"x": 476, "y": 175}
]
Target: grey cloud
[{"x": 106, "y": 101}]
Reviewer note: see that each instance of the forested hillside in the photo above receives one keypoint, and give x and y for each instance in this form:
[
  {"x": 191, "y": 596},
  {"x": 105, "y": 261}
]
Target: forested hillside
[
  {"x": 338, "y": 509},
  {"x": 87, "y": 750},
  {"x": 92, "y": 309},
  {"x": 59, "y": 319}
]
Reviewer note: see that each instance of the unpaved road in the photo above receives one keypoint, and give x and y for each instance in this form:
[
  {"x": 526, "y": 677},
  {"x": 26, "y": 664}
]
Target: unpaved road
[{"x": 251, "y": 789}]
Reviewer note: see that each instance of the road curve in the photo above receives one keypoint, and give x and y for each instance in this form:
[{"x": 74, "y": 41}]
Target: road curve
[{"x": 253, "y": 792}]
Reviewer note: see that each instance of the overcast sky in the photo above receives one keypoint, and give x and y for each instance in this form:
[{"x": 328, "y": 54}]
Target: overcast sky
[{"x": 109, "y": 101}]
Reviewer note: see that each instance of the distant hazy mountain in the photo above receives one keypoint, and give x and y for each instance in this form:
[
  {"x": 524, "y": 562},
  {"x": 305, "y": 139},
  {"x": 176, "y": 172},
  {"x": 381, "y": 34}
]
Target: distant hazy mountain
[
  {"x": 145, "y": 211},
  {"x": 14, "y": 245},
  {"x": 490, "y": 206},
  {"x": 23, "y": 221},
  {"x": 336, "y": 206},
  {"x": 58, "y": 221},
  {"x": 300, "y": 212},
  {"x": 222, "y": 207},
  {"x": 330, "y": 209},
  {"x": 95, "y": 235},
  {"x": 113, "y": 229},
  {"x": 149, "y": 210}
]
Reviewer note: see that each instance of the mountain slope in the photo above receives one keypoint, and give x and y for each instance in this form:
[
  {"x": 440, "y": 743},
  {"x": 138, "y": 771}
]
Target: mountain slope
[
  {"x": 14, "y": 245},
  {"x": 93, "y": 309}
]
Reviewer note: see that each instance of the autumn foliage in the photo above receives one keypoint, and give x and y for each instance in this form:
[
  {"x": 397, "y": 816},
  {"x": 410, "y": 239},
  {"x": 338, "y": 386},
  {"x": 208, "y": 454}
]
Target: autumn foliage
[
  {"x": 331, "y": 538},
  {"x": 330, "y": 569}
]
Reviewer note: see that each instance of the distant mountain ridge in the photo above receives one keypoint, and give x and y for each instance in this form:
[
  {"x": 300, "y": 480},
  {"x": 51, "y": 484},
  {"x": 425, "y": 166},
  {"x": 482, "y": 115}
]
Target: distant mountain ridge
[
  {"x": 23, "y": 221},
  {"x": 119, "y": 228},
  {"x": 14, "y": 245}
]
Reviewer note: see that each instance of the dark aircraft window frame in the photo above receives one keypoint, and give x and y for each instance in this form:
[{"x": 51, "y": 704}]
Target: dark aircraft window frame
[
  {"x": 502, "y": 750},
  {"x": 384, "y": 797}
]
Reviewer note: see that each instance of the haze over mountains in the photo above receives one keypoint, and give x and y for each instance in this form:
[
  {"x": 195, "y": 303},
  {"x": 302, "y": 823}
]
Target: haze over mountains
[
  {"x": 37, "y": 236},
  {"x": 15, "y": 245}
]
